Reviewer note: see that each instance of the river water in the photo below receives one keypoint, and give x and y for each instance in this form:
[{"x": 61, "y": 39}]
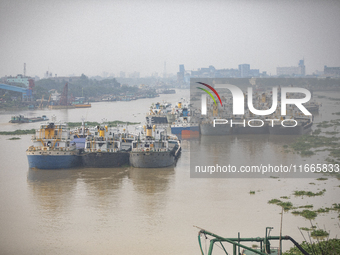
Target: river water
[{"x": 148, "y": 211}]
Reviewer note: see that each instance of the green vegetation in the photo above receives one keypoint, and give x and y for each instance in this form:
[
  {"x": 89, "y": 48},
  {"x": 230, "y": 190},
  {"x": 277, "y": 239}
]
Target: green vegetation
[
  {"x": 274, "y": 201},
  {"x": 285, "y": 197},
  {"x": 307, "y": 153},
  {"x": 329, "y": 247},
  {"x": 90, "y": 88},
  {"x": 71, "y": 125},
  {"x": 80, "y": 87},
  {"x": 331, "y": 133},
  {"x": 306, "y": 206},
  {"x": 305, "y": 229},
  {"x": 252, "y": 192},
  {"x": 324, "y": 124},
  {"x": 305, "y": 143},
  {"x": 319, "y": 233},
  {"x": 336, "y": 206},
  {"x": 308, "y": 214},
  {"x": 18, "y": 132},
  {"x": 321, "y": 179},
  {"x": 317, "y": 132},
  {"x": 14, "y": 138},
  {"x": 323, "y": 210},
  {"x": 309, "y": 193},
  {"x": 336, "y": 113},
  {"x": 286, "y": 205},
  {"x": 296, "y": 212},
  {"x": 109, "y": 123},
  {"x": 335, "y": 153},
  {"x": 333, "y": 98}
]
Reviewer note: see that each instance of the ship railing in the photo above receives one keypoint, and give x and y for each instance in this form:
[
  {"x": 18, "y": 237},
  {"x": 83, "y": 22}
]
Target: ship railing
[{"x": 150, "y": 150}]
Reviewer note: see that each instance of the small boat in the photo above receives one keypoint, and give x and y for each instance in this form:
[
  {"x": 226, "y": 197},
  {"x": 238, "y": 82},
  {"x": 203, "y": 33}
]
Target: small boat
[
  {"x": 22, "y": 119},
  {"x": 82, "y": 105},
  {"x": 37, "y": 119},
  {"x": 53, "y": 148}
]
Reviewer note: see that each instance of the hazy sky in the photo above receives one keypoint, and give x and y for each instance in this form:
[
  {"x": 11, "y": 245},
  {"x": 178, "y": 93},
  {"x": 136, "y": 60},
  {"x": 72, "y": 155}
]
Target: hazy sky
[{"x": 74, "y": 37}]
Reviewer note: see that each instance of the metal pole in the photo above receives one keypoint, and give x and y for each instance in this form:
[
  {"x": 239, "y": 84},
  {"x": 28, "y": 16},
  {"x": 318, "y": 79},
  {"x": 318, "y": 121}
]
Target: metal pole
[{"x": 238, "y": 247}]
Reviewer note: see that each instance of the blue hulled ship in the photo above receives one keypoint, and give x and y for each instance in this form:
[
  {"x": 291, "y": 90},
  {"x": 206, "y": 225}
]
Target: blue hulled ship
[{"x": 53, "y": 148}]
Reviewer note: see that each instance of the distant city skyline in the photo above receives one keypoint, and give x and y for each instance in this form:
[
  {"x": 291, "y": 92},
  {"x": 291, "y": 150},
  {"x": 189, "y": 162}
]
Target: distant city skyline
[
  {"x": 291, "y": 70},
  {"x": 72, "y": 37}
]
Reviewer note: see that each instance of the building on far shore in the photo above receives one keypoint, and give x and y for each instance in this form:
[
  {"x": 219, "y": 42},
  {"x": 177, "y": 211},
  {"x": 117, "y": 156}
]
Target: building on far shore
[
  {"x": 293, "y": 71},
  {"x": 331, "y": 71},
  {"x": 19, "y": 79},
  {"x": 243, "y": 71}
]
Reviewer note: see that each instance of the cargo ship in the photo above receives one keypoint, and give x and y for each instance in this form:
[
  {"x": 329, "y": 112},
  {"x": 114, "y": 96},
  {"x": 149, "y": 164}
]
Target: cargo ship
[
  {"x": 184, "y": 122},
  {"x": 53, "y": 148},
  {"x": 107, "y": 147},
  {"x": 154, "y": 148},
  {"x": 158, "y": 114}
]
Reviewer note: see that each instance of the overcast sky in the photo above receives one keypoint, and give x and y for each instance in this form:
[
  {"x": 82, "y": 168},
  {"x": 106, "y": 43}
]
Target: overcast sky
[{"x": 92, "y": 37}]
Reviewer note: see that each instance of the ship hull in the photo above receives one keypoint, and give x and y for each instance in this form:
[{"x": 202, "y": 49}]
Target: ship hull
[
  {"x": 209, "y": 129},
  {"x": 53, "y": 161},
  {"x": 171, "y": 117},
  {"x": 105, "y": 159},
  {"x": 178, "y": 130},
  {"x": 297, "y": 130},
  {"x": 153, "y": 159},
  {"x": 251, "y": 130}
]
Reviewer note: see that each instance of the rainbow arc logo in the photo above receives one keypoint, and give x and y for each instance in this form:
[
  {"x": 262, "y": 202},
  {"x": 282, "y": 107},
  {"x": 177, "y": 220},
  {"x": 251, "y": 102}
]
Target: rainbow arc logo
[{"x": 209, "y": 93}]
